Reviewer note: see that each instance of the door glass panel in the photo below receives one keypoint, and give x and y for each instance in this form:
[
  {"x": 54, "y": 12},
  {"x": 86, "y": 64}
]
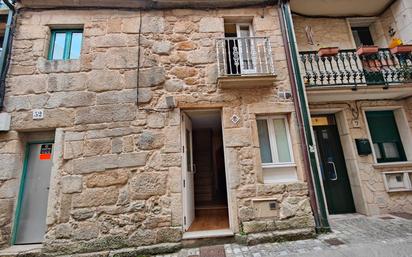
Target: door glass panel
[
  {"x": 377, "y": 151},
  {"x": 76, "y": 45},
  {"x": 246, "y": 47},
  {"x": 59, "y": 43},
  {"x": 188, "y": 150},
  {"x": 282, "y": 143},
  {"x": 264, "y": 142},
  {"x": 391, "y": 150}
]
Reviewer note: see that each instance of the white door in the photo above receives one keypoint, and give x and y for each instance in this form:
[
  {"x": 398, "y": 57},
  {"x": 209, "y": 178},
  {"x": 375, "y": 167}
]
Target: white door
[
  {"x": 247, "y": 52},
  {"x": 187, "y": 176}
]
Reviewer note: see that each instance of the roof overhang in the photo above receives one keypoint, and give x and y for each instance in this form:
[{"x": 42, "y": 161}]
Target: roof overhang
[
  {"x": 143, "y": 4},
  {"x": 363, "y": 92},
  {"x": 340, "y": 8}
]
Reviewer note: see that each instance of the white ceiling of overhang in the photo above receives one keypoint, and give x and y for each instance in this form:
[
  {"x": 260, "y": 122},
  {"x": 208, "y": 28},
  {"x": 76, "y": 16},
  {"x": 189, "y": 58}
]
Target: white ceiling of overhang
[{"x": 339, "y": 7}]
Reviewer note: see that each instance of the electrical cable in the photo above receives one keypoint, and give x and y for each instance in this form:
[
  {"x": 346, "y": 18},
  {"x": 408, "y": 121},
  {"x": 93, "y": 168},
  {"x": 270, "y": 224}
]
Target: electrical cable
[{"x": 138, "y": 58}]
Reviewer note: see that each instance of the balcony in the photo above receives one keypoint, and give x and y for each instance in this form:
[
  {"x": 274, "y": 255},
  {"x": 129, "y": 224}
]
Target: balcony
[
  {"x": 337, "y": 77},
  {"x": 244, "y": 62}
]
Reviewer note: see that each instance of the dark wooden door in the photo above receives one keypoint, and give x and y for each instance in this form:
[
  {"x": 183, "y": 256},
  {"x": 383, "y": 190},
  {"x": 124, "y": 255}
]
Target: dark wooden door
[{"x": 334, "y": 173}]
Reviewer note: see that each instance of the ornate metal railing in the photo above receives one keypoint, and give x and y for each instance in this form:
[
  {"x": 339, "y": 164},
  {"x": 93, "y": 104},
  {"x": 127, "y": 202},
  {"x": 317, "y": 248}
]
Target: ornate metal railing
[
  {"x": 244, "y": 56},
  {"x": 349, "y": 68}
]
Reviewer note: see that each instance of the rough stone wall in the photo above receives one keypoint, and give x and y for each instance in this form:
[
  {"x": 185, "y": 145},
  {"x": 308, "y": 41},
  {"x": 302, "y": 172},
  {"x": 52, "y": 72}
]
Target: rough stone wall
[
  {"x": 116, "y": 179},
  {"x": 336, "y": 31},
  {"x": 327, "y": 32},
  {"x": 398, "y": 17},
  {"x": 367, "y": 184},
  {"x": 366, "y": 179}
]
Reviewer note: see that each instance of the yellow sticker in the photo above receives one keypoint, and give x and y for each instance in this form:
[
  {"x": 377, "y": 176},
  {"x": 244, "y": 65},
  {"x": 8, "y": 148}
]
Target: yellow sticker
[{"x": 320, "y": 121}]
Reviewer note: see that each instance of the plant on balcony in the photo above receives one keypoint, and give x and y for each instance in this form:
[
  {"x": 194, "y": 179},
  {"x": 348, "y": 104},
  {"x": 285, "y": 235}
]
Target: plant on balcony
[
  {"x": 397, "y": 47},
  {"x": 328, "y": 51},
  {"x": 405, "y": 74},
  {"x": 367, "y": 50}
]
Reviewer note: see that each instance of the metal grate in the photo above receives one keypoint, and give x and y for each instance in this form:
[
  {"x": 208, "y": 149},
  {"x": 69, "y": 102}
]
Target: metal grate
[
  {"x": 212, "y": 251},
  {"x": 334, "y": 241}
]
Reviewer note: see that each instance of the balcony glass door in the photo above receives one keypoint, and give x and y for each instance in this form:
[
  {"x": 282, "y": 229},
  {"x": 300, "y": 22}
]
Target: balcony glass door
[
  {"x": 372, "y": 65},
  {"x": 247, "y": 53}
]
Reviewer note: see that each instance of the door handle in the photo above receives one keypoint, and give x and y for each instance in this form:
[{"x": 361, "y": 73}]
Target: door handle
[
  {"x": 194, "y": 168},
  {"x": 334, "y": 171}
]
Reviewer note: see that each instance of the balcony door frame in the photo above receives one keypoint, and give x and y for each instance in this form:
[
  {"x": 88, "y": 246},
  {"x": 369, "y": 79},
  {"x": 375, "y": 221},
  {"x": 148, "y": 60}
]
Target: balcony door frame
[{"x": 244, "y": 56}]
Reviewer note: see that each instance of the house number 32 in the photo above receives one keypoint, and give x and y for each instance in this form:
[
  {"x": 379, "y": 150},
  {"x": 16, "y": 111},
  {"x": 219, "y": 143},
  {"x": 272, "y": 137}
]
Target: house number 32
[{"x": 38, "y": 114}]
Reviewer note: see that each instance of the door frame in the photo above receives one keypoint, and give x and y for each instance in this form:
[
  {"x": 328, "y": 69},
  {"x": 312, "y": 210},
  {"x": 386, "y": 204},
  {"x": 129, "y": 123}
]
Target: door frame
[
  {"x": 229, "y": 196},
  {"x": 252, "y": 45},
  {"x": 22, "y": 186},
  {"x": 358, "y": 195},
  {"x": 335, "y": 158}
]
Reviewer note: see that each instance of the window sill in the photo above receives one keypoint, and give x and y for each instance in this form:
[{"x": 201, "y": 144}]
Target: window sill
[
  {"x": 399, "y": 190},
  {"x": 392, "y": 164},
  {"x": 54, "y": 66},
  {"x": 281, "y": 181},
  {"x": 277, "y": 165}
]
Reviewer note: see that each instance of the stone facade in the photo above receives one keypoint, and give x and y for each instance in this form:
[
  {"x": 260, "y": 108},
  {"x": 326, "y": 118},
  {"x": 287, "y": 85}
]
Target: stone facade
[
  {"x": 327, "y": 32},
  {"x": 366, "y": 179},
  {"x": 331, "y": 32},
  {"x": 116, "y": 178}
]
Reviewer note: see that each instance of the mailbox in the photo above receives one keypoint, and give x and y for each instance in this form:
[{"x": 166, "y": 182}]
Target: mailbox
[{"x": 363, "y": 146}]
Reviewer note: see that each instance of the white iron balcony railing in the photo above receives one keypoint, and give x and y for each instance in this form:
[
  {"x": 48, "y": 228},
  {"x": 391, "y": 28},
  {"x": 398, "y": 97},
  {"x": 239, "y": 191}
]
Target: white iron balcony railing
[{"x": 244, "y": 56}]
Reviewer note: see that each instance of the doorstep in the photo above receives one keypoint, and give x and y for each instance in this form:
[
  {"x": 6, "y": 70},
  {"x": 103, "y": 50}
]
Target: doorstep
[
  {"x": 207, "y": 234},
  {"x": 19, "y": 250}
]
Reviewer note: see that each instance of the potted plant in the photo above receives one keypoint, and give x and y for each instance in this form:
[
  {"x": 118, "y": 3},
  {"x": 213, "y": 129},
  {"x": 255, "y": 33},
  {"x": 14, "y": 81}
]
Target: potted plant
[
  {"x": 397, "y": 47},
  {"x": 367, "y": 50},
  {"x": 328, "y": 51}
]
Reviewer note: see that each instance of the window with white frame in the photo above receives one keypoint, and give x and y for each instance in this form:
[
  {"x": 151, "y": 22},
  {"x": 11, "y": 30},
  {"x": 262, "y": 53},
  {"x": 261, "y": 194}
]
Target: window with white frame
[
  {"x": 386, "y": 136},
  {"x": 276, "y": 150},
  {"x": 274, "y": 141}
]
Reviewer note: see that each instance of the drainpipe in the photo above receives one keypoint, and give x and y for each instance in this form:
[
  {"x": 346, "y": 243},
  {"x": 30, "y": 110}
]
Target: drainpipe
[
  {"x": 4, "y": 58},
  {"x": 316, "y": 195}
]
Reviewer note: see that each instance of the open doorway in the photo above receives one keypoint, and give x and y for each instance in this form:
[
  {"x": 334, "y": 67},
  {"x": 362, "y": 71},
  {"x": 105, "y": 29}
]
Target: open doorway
[{"x": 204, "y": 180}]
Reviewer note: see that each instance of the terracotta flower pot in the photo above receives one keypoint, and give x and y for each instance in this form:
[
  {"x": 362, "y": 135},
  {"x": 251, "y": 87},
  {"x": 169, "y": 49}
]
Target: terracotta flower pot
[
  {"x": 367, "y": 50},
  {"x": 328, "y": 51},
  {"x": 401, "y": 49}
]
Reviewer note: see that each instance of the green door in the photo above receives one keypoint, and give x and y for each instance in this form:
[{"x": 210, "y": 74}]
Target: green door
[{"x": 333, "y": 168}]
